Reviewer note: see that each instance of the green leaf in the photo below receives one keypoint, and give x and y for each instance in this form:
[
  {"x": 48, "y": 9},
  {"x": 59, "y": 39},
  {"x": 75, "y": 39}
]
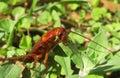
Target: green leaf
[
  {"x": 82, "y": 14},
  {"x": 10, "y": 53},
  {"x": 3, "y": 51},
  {"x": 88, "y": 66},
  {"x": 98, "y": 13},
  {"x": 73, "y": 6},
  {"x": 73, "y": 52},
  {"x": 94, "y": 76},
  {"x": 1, "y": 34},
  {"x": 18, "y": 12},
  {"x": 20, "y": 52},
  {"x": 3, "y": 7},
  {"x": 95, "y": 3},
  {"x": 45, "y": 17},
  {"x": 76, "y": 38},
  {"x": 25, "y": 42},
  {"x": 10, "y": 71},
  {"x": 6, "y": 25},
  {"x": 96, "y": 49},
  {"x": 111, "y": 65},
  {"x": 80, "y": 2},
  {"x": 56, "y": 18},
  {"x": 66, "y": 65},
  {"x": 25, "y": 23},
  {"x": 34, "y": 3},
  {"x": 114, "y": 60},
  {"x": 13, "y": 2}
]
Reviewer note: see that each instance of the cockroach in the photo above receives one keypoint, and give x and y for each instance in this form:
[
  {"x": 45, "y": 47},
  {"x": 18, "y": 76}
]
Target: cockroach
[{"x": 43, "y": 46}]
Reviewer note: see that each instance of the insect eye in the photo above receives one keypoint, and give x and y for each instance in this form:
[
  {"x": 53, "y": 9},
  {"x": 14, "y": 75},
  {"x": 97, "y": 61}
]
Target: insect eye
[{"x": 60, "y": 35}]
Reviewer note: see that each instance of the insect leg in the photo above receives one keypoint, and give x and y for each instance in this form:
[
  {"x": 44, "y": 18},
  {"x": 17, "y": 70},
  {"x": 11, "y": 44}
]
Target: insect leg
[{"x": 46, "y": 58}]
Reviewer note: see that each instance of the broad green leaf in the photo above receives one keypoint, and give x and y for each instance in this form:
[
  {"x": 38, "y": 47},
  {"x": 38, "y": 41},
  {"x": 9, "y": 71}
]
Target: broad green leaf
[
  {"x": 3, "y": 7},
  {"x": 73, "y": 52},
  {"x": 10, "y": 71},
  {"x": 18, "y": 12},
  {"x": 56, "y": 18},
  {"x": 25, "y": 42},
  {"x": 112, "y": 64},
  {"x": 66, "y": 65},
  {"x": 114, "y": 60},
  {"x": 96, "y": 49},
  {"x": 45, "y": 17},
  {"x": 88, "y": 64}
]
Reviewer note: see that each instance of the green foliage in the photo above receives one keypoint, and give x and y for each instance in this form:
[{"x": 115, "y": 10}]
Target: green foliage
[
  {"x": 4, "y": 7},
  {"x": 18, "y": 12},
  {"x": 44, "y": 17},
  {"x": 22, "y": 25},
  {"x": 10, "y": 70},
  {"x": 25, "y": 42},
  {"x": 98, "y": 13}
]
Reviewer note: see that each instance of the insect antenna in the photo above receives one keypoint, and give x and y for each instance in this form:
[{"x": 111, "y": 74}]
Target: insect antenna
[{"x": 91, "y": 40}]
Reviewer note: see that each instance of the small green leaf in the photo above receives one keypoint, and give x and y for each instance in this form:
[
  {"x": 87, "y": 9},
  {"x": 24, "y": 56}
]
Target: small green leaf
[
  {"x": 20, "y": 52},
  {"x": 25, "y": 42},
  {"x": 66, "y": 65},
  {"x": 95, "y": 3},
  {"x": 56, "y": 18},
  {"x": 73, "y": 6},
  {"x": 98, "y": 13},
  {"x": 3, "y": 7},
  {"x": 76, "y": 38},
  {"x": 45, "y": 17},
  {"x": 6, "y": 25},
  {"x": 18, "y": 12},
  {"x": 25, "y": 23},
  {"x": 82, "y": 14}
]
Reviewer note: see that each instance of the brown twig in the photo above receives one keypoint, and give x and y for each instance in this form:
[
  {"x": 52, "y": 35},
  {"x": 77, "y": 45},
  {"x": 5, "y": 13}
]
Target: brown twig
[{"x": 69, "y": 23}]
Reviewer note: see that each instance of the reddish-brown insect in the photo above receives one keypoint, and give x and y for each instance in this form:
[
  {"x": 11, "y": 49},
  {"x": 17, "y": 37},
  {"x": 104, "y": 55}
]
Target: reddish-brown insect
[{"x": 43, "y": 46}]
